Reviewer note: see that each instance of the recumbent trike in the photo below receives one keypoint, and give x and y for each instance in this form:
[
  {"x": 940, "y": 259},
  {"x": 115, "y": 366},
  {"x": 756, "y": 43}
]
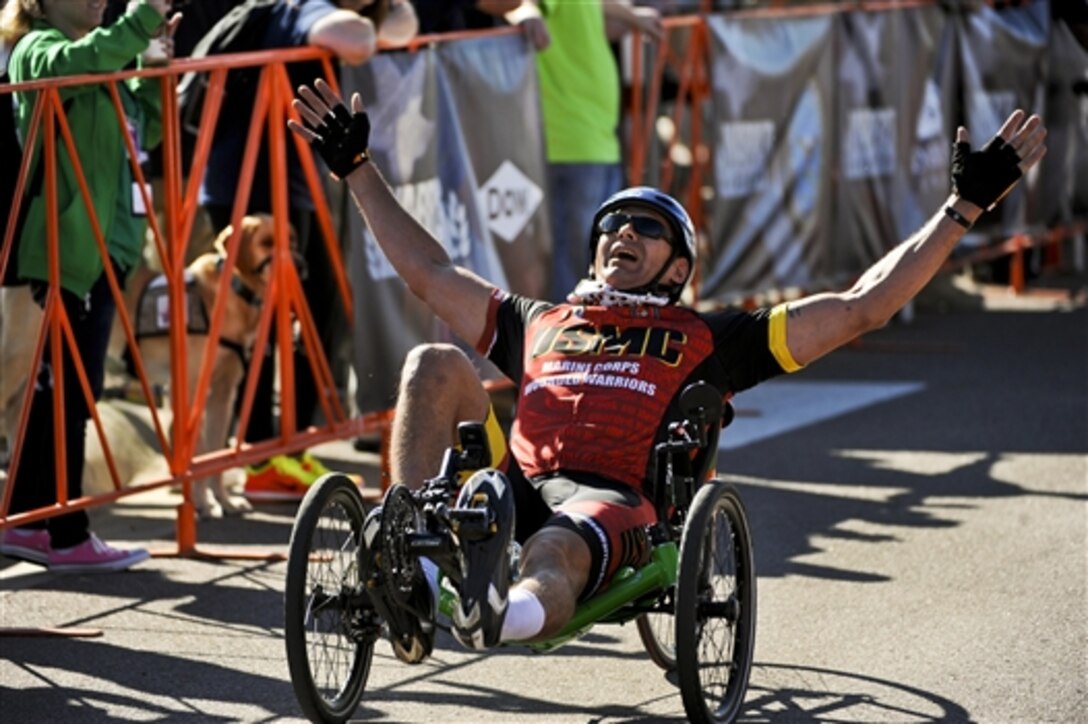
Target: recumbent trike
[{"x": 693, "y": 603}]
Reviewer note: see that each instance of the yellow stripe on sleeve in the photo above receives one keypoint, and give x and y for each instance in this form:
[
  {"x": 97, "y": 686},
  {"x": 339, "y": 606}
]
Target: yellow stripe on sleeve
[{"x": 777, "y": 341}]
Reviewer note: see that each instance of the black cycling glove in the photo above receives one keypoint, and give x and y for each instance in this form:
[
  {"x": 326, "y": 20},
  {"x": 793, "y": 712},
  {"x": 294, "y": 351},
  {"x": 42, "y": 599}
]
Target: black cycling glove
[
  {"x": 984, "y": 177},
  {"x": 342, "y": 139}
]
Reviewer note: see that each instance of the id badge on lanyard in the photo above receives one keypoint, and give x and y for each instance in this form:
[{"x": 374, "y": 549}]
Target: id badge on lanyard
[{"x": 139, "y": 205}]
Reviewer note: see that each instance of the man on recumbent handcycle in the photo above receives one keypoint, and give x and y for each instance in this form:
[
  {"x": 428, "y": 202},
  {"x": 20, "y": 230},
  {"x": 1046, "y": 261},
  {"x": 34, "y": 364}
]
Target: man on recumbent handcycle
[{"x": 598, "y": 376}]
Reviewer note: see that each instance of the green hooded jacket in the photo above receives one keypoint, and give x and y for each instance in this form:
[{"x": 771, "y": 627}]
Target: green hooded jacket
[{"x": 46, "y": 52}]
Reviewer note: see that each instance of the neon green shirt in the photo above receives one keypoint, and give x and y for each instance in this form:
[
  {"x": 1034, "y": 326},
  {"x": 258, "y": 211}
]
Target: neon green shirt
[{"x": 579, "y": 84}]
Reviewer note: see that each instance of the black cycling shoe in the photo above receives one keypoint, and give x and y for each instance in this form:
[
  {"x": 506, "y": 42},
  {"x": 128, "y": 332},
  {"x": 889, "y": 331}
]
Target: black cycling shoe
[
  {"x": 409, "y": 616},
  {"x": 485, "y": 558}
]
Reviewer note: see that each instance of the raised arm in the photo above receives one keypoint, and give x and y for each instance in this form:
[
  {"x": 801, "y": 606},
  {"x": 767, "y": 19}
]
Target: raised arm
[
  {"x": 456, "y": 295},
  {"x": 820, "y": 323},
  {"x": 347, "y": 34}
]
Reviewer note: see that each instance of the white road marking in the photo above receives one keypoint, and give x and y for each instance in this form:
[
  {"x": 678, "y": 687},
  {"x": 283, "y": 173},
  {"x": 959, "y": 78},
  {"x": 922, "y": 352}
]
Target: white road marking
[{"x": 782, "y": 406}]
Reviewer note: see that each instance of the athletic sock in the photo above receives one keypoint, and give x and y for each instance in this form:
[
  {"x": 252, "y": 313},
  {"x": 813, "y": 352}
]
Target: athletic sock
[
  {"x": 524, "y": 612},
  {"x": 524, "y": 616},
  {"x": 430, "y": 572},
  {"x": 435, "y": 581}
]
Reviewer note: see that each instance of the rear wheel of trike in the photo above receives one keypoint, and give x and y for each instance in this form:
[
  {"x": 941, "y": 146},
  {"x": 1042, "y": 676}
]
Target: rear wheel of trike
[
  {"x": 658, "y": 633},
  {"x": 715, "y": 605}
]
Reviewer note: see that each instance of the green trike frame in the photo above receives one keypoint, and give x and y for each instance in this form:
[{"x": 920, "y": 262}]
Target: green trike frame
[{"x": 693, "y": 602}]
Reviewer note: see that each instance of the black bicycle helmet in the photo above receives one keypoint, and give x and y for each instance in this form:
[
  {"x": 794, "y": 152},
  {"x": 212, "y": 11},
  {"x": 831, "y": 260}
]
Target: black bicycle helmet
[{"x": 683, "y": 232}]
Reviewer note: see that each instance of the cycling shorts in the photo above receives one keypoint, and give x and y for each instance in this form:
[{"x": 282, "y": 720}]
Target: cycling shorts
[{"x": 609, "y": 516}]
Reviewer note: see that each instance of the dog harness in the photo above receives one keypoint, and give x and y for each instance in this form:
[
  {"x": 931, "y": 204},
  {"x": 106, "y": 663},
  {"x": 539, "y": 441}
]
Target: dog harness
[{"x": 153, "y": 310}]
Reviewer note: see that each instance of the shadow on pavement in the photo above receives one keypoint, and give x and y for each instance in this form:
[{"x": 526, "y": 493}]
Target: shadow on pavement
[
  {"x": 792, "y": 693},
  {"x": 897, "y": 464}
]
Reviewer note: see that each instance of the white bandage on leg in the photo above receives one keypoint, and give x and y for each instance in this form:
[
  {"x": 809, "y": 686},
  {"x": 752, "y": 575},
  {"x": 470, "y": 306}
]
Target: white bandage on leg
[{"x": 524, "y": 616}]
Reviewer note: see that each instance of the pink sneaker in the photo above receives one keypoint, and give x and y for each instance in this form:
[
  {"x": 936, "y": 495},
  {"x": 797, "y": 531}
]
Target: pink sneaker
[
  {"x": 92, "y": 556},
  {"x": 28, "y": 544}
]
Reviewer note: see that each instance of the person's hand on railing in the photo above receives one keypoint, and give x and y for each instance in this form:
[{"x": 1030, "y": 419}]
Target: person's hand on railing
[
  {"x": 622, "y": 18},
  {"x": 528, "y": 19},
  {"x": 647, "y": 21},
  {"x": 341, "y": 137},
  {"x": 536, "y": 33}
]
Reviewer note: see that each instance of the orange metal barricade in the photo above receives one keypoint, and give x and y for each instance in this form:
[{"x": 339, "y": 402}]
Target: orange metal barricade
[{"x": 286, "y": 305}]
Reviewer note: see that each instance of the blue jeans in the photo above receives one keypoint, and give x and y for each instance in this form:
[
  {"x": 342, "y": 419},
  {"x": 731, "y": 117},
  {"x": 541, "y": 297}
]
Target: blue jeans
[{"x": 575, "y": 191}]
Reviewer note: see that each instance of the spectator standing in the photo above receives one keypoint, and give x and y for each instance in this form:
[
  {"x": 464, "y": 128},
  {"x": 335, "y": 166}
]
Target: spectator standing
[
  {"x": 580, "y": 99},
  {"x": 54, "y": 38},
  {"x": 352, "y": 30}
]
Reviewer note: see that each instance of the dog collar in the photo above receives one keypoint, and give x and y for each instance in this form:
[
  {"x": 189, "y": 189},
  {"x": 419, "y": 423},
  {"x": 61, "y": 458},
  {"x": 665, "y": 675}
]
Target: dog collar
[
  {"x": 239, "y": 287},
  {"x": 249, "y": 296}
]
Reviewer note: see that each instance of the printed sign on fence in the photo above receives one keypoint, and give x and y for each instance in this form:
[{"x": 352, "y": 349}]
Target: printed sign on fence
[{"x": 511, "y": 198}]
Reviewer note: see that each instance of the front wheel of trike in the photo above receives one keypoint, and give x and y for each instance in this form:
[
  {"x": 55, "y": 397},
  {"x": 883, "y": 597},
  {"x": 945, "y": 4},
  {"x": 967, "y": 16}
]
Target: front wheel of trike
[
  {"x": 715, "y": 605},
  {"x": 329, "y": 625}
]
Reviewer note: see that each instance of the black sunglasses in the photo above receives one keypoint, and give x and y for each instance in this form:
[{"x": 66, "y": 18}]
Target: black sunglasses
[{"x": 643, "y": 225}]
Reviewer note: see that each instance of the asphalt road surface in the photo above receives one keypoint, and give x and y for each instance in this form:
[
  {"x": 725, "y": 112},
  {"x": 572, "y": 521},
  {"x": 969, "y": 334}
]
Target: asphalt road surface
[{"x": 919, "y": 504}]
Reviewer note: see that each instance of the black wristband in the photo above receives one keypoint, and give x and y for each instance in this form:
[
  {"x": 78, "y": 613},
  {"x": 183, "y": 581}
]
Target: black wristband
[{"x": 957, "y": 217}]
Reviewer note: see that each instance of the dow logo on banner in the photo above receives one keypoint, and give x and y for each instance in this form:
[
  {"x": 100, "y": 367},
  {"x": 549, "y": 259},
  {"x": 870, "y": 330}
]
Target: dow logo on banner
[{"x": 510, "y": 198}]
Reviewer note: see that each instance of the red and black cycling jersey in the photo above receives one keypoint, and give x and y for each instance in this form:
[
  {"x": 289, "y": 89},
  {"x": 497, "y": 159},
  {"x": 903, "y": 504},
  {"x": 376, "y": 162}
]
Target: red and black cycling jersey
[{"x": 597, "y": 386}]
